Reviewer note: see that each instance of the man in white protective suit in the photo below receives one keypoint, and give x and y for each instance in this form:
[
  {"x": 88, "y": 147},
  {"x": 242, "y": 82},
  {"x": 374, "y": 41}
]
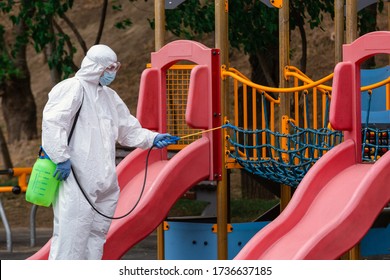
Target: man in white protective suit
[{"x": 79, "y": 232}]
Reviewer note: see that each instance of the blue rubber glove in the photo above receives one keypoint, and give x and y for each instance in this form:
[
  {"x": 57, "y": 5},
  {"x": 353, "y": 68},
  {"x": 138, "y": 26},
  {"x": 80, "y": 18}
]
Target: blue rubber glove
[
  {"x": 62, "y": 171},
  {"x": 163, "y": 140}
]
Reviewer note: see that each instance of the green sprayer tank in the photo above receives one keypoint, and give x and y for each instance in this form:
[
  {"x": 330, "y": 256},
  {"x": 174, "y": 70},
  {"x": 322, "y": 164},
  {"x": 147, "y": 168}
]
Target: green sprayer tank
[{"x": 42, "y": 186}]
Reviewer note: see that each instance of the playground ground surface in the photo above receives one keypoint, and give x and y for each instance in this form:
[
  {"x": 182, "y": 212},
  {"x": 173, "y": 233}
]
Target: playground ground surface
[{"x": 145, "y": 250}]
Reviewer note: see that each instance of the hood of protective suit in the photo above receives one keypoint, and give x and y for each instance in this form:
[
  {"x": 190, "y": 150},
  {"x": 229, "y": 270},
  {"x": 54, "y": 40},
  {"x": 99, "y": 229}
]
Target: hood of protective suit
[{"x": 98, "y": 58}]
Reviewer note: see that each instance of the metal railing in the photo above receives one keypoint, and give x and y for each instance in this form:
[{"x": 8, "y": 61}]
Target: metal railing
[{"x": 21, "y": 173}]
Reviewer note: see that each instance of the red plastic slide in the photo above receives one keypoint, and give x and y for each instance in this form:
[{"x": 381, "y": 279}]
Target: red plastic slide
[
  {"x": 166, "y": 182},
  {"x": 332, "y": 209}
]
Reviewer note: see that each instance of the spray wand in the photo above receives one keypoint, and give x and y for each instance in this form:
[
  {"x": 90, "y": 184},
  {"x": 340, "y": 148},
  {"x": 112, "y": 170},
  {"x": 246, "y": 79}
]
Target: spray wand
[{"x": 175, "y": 139}]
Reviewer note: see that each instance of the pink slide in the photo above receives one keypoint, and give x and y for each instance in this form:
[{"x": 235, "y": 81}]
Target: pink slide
[
  {"x": 332, "y": 209},
  {"x": 340, "y": 197},
  {"x": 166, "y": 182}
]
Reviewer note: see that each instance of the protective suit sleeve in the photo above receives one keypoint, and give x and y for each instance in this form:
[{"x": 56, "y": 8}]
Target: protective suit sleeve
[
  {"x": 58, "y": 115},
  {"x": 130, "y": 131}
]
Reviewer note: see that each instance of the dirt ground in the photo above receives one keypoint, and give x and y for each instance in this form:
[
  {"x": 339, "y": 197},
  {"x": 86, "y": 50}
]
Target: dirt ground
[{"x": 133, "y": 47}]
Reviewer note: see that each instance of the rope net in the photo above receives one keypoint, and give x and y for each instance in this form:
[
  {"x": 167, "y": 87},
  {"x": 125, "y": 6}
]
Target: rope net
[
  {"x": 288, "y": 159},
  {"x": 375, "y": 143},
  {"x": 375, "y": 140}
]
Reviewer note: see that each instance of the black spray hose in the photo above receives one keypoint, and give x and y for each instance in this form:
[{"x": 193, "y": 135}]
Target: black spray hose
[
  {"x": 172, "y": 140},
  {"x": 138, "y": 200}
]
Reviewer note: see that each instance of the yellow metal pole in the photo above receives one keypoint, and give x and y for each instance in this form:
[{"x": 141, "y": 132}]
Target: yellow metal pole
[
  {"x": 338, "y": 30},
  {"x": 159, "y": 35},
  {"x": 387, "y": 97},
  {"x": 221, "y": 42},
  {"x": 284, "y": 46}
]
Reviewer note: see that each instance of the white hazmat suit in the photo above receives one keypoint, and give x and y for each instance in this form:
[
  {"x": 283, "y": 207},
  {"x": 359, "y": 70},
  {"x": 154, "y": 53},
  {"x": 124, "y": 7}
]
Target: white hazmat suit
[{"x": 79, "y": 232}]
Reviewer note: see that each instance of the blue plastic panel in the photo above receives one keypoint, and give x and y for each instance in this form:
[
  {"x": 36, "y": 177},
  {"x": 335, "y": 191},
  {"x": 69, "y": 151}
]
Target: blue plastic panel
[
  {"x": 197, "y": 241},
  {"x": 190, "y": 241},
  {"x": 376, "y": 242},
  {"x": 240, "y": 235},
  {"x": 371, "y": 76}
]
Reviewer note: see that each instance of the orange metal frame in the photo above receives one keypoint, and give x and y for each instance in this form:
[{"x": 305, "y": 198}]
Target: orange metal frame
[
  {"x": 21, "y": 173},
  {"x": 303, "y": 87}
]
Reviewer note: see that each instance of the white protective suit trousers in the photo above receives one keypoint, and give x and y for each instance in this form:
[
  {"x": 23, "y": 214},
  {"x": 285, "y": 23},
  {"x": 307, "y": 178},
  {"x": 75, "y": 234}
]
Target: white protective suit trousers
[{"x": 86, "y": 241}]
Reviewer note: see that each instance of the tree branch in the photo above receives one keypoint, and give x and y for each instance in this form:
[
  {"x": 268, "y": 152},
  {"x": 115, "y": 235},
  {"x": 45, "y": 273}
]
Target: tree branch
[
  {"x": 68, "y": 43},
  {"x": 102, "y": 21},
  {"x": 75, "y": 32}
]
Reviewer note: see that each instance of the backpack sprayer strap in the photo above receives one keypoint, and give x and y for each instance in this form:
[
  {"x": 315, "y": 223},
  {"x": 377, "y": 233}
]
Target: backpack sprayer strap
[
  {"x": 75, "y": 120},
  {"x": 76, "y": 179}
]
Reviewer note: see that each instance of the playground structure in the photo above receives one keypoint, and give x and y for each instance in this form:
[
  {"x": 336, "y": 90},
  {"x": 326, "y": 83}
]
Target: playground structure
[{"x": 231, "y": 162}]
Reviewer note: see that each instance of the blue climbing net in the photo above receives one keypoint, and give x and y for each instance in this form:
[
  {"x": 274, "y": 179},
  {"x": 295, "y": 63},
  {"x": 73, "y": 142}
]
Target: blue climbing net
[
  {"x": 375, "y": 143},
  {"x": 284, "y": 163},
  {"x": 290, "y": 156}
]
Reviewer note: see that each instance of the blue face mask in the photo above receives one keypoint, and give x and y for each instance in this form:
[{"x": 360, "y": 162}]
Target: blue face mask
[{"x": 107, "y": 78}]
